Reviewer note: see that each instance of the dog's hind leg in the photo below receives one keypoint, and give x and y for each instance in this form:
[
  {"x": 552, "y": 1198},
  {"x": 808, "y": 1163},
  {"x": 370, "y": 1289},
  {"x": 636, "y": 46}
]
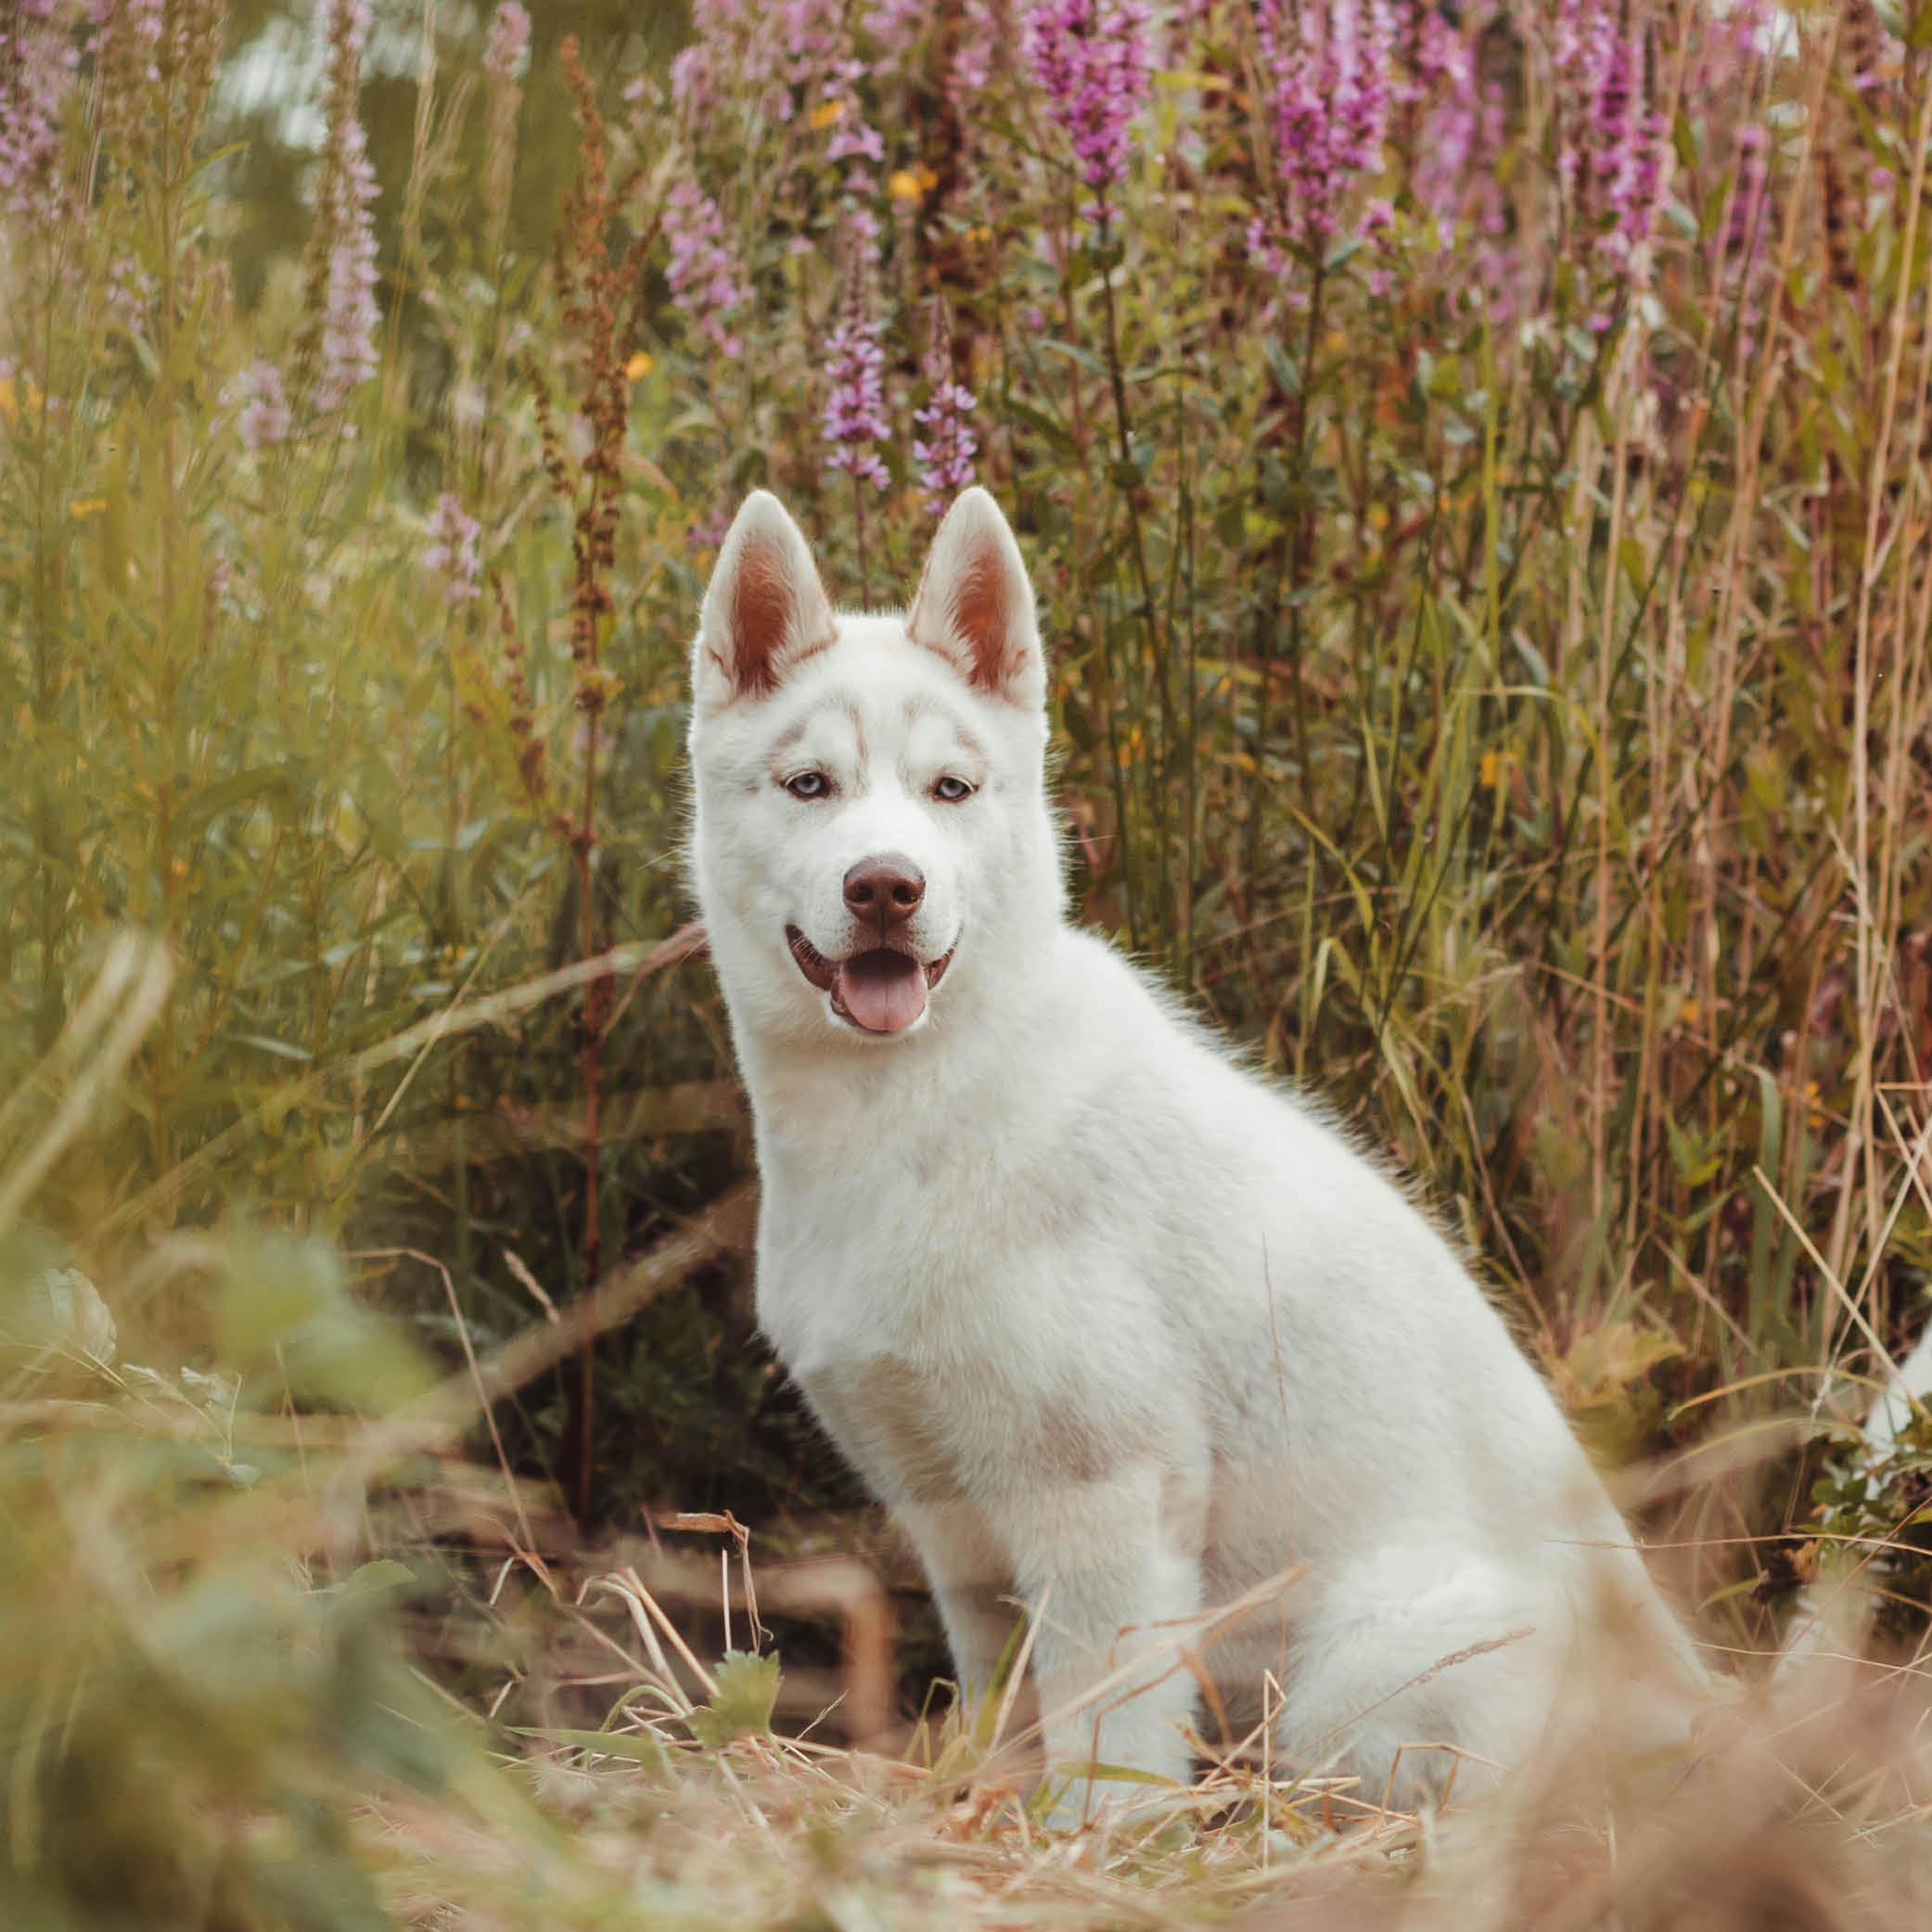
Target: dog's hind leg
[{"x": 1420, "y": 1672}]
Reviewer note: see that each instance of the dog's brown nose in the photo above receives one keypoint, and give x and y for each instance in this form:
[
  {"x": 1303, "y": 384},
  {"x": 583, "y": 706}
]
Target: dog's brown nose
[{"x": 885, "y": 889}]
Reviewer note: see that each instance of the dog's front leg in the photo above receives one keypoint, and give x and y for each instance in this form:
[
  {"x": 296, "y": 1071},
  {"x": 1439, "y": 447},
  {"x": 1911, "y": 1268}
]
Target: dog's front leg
[
  {"x": 972, "y": 1580},
  {"x": 1110, "y": 1570}
]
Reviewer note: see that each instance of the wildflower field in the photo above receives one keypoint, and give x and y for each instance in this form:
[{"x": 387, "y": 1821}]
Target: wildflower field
[{"x": 1476, "y": 463}]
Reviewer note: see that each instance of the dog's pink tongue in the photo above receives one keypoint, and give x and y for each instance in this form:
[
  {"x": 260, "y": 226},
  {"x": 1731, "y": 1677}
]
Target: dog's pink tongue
[{"x": 884, "y": 992}]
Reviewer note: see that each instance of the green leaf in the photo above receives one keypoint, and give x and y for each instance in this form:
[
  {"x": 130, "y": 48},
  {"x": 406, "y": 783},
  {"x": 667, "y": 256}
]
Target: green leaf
[
  {"x": 747, "y": 1690},
  {"x": 1282, "y": 366},
  {"x": 1074, "y": 353},
  {"x": 1038, "y": 419}
]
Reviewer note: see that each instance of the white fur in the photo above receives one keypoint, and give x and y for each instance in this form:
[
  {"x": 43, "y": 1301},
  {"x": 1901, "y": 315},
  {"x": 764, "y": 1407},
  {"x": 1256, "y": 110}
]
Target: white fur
[{"x": 1088, "y": 1304}]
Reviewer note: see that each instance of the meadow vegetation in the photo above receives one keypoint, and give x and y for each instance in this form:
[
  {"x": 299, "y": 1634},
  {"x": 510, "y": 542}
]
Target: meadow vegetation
[{"x": 1476, "y": 463}]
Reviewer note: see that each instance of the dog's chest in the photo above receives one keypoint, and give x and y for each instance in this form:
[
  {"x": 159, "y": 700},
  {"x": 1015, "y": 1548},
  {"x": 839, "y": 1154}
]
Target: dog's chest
[
  {"x": 939, "y": 1351},
  {"x": 846, "y": 1273}
]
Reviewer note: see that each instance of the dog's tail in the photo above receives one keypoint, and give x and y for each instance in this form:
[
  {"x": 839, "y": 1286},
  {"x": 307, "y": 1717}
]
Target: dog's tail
[{"x": 1835, "y": 1614}]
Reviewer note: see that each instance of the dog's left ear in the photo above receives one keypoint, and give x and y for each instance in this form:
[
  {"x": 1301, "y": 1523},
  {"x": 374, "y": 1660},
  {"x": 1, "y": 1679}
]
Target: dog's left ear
[{"x": 975, "y": 607}]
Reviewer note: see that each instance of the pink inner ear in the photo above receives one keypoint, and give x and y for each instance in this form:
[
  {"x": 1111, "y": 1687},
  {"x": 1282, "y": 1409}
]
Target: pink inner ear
[
  {"x": 761, "y": 619},
  {"x": 983, "y": 620}
]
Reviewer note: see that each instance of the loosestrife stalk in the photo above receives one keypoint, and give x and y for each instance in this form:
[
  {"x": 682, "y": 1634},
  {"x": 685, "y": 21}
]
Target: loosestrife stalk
[
  {"x": 336, "y": 345},
  {"x": 39, "y": 60},
  {"x": 38, "y": 64},
  {"x": 945, "y": 449},
  {"x": 705, "y": 279},
  {"x": 1330, "y": 65},
  {"x": 452, "y": 557},
  {"x": 1094, "y": 60},
  {"x": 1609, "y": 159},
  {"x": 505, "y": 50},
  {"x": 453, "y": 554},
  {"x": 1445, "y": 68},
  {"x": 264, "y": 421},
  {"x": 855, "y": 420},
  {"x": 757, "y": 54}
]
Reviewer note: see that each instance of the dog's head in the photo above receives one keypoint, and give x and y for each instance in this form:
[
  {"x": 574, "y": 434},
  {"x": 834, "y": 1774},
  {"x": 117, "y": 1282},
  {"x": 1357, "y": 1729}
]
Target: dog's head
[{"x": 871, "y": 842}]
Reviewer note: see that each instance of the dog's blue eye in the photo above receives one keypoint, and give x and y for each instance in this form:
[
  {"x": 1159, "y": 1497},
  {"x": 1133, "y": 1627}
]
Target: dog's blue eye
[
  {"x": 952, "y": 791},
  {"x": 808, "y": 785}
]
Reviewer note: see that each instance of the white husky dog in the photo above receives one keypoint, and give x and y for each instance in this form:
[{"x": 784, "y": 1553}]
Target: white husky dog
[{"x": 1117, "y": 1330}]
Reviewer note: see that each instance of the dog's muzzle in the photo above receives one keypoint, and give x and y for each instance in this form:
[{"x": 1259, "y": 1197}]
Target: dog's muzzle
[{"x": 881, "y": 990}]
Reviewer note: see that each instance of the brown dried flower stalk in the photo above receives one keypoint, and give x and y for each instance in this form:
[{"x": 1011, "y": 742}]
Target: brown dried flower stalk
[{"x": 599, "y": 296}]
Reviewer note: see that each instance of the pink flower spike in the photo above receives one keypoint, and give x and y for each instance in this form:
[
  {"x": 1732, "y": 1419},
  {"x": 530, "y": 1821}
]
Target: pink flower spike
[
  {"x": 855, "y": 422},
  {"x": 1094, "y": 59},
  {"x": 945, "y": 450},
  {"x": 452, "y": 553}
]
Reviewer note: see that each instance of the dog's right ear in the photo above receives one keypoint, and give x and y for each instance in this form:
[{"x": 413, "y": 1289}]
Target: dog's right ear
[{"x": 764, "y": 608}]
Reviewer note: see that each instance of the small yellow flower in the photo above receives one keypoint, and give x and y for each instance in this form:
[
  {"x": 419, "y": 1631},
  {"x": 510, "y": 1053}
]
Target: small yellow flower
[
  {"x": 638, "y": 367},
  {"x": 902, "y": 185},
  {"x": 824, "y": 114},
  {"x": 982, "y": 233},
  {"x": 88, "y": 505},
  {"x": 1378, "y": 517},
  {"x": 1689, "y": 1012},
  {"x": 9, "y": 409},
  {"x": 1489, "y": 772}
]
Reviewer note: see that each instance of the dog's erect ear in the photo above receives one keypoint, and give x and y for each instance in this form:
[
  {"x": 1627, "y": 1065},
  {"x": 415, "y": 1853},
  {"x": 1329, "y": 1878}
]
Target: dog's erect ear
[
  {"x": 764, "y": 608},
  {"x": 975, "y": 607}
]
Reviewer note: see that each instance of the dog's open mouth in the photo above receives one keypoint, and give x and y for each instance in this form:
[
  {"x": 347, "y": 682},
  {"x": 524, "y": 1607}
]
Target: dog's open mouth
[{"x": 882, "y": 990}]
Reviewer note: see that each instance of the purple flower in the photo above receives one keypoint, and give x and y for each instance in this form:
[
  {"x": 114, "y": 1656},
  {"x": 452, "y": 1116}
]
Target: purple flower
[
  {"x": 757, "y": 54},
  {"x": 706, "y": 537},
  {"x": 1445, "y": 68},
  {"x": 130, "y": 289},
  {"x": 1330, "y": 69},
  {"x": 508, "y": 42},
  {"x": 1361, "y": 42},
  {"x": 452, "y": 553},
  {"x": 38, "y": 60},
  {"x": 1609, "y": 160},
  {"x": 861, "y": 226},
  {"x": 506, "y": 51},
  {"x": 1629, "y": 138},
  {"x": 855, "y": 403},
  {"x": 338, "y": 334},
  {"x": 1094, "y": 59},
  {"x": 944, "y": 452},
  {"x": 853, "y": 138},
  {"x": 703, "y": 273},
  {"x": 264, "y": 421},
  {"x": 980, "y": 26},
  {"x": 895, "y": 25}
]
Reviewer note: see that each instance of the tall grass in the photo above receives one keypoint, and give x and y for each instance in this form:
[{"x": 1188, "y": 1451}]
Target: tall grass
[{"x": 1475, "y": 474}]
